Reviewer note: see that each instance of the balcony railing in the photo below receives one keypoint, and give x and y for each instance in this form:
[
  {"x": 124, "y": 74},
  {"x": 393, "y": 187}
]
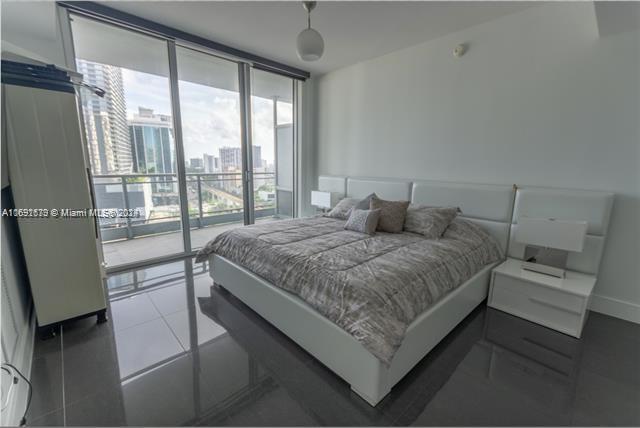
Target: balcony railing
[{"x": 213, "y": 198}]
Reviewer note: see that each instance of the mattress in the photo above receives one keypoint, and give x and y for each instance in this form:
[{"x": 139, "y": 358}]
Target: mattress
[{"x": 372, "y": 287}]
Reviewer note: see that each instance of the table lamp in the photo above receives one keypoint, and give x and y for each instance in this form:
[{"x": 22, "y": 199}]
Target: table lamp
[
  {"x": 548, "y": 241},
  {"x": 324, "y": 200}
]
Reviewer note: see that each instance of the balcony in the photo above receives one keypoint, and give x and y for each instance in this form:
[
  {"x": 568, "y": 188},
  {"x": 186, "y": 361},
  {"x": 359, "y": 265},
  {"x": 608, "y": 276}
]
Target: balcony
[{"x": 215, "y": 205}]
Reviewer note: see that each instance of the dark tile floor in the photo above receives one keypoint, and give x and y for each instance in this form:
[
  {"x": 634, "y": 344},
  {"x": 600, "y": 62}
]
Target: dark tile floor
[{"x": 178, "y": 351}]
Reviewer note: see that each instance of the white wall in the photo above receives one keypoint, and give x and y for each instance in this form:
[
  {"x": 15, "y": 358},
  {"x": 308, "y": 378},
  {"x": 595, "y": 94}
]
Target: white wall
[
  {"x": 539, "y": 99},
  {"x": 307, "y": 174}
]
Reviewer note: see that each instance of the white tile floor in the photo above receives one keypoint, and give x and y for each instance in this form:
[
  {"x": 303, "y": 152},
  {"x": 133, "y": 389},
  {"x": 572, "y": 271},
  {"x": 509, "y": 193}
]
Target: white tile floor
[
  {"x": 132, "y": 311},
  {"x": 169, "y": 299},
  {"x": 207, "y": 329},
  {"x": 144, "y": 345},
  {"x": 159, "y": 315}
]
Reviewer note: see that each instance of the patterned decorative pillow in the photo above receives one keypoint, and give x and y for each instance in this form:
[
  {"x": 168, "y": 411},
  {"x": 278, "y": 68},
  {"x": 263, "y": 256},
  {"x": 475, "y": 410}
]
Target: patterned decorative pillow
[
  {"x": 343, "y": 209},
  {"x": 429, "y": 221},
  {"x": 363, "y": 221},
  {"x": 392, "y": 214}
]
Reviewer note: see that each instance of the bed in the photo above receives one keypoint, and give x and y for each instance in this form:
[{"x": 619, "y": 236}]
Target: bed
[{"x": 360, "y": 345}]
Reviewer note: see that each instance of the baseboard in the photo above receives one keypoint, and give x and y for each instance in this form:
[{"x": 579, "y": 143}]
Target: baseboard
[{"x": 616, "y": 308}]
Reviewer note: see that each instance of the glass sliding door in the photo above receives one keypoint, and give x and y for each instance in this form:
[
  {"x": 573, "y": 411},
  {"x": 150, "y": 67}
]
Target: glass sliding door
[
  {"x": 130, "y": 141},
  {"x": 211, "y": 135},
  {"x": 272, "y": 152},
  {"x": 189, "y": 143}
]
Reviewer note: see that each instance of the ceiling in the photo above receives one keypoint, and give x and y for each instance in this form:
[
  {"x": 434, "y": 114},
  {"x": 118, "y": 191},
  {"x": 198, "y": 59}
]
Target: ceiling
[{"x": 353, "y": 30}]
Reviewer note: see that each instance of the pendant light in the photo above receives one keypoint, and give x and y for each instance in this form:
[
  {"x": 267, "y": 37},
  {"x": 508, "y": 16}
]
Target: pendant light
[{"x": 309, "y": 44}]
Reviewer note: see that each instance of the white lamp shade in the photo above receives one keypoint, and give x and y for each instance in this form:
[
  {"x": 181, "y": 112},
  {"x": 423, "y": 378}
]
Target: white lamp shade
[
  {"x": 566, "y": 235},
  {"x": 324, "y": 199},
  {"x": 310, "y": 45}
]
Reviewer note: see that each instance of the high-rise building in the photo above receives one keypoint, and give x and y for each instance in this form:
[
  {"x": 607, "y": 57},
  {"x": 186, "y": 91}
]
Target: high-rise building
[
  {"x": 152, "y": 149},
  {"x": 106, "y": 119},
  {"x": 196, "y": 163},
  {"x": 230, "y": 159},
  {"x": 211, "y": 163},
  {"x": 151, "y": 146},
  {"x": 257, "y": 157}
]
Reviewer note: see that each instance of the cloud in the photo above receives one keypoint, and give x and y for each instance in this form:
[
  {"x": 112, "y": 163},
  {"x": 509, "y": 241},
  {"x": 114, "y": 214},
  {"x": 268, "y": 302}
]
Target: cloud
[
  {"x": 210, "y": 116},
  {"x": 146, "y": 90}
]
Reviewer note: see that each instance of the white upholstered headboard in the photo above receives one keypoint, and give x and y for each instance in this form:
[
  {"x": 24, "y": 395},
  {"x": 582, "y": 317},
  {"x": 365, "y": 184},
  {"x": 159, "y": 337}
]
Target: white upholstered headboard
[
  {"x": 390, "y": 189},
  {"x": 567, "y": 204},
  {"x": 491, "y": 206},
  {"x": 488, "y": 205}
]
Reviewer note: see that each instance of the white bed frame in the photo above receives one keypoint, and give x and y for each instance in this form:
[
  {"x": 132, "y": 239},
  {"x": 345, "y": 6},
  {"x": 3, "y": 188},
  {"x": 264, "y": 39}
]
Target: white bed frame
[
  {"x": 488, "y": 205},
  {"x": 496, "y": 208}
]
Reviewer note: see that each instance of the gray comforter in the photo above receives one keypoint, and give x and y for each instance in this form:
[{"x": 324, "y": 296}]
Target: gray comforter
[{"x": 372, "y": 287}]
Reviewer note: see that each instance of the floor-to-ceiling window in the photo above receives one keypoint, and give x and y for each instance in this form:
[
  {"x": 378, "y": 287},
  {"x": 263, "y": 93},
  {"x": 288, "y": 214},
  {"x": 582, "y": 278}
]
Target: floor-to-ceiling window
[
  {"x": 130, "y": 142},
  {"x": 211, "y": 137},
  {"x": 273, "y": 144},
  {"x": 169, "y": 140}
]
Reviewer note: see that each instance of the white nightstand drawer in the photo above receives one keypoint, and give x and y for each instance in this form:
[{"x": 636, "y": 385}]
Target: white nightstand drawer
[
  {"x": 543, "y": 295},
  {"x": 555, "y": 309}
]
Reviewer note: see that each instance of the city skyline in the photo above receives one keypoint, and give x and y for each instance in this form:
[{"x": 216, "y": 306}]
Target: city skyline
[
  {"x": 210, "y": 116},
  {"x": 152, "y": 151},
  {"x": 210, "y": 119}
]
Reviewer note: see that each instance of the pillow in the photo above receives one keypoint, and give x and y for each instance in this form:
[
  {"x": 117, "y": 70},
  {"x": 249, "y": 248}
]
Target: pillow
[
  {"x": 364, "y": 203},
  {"x": 343, "y": 209},
  {"x": 429, "y": 221},
  {"x": 363, "y": 221},
  {"x": 392, "y": 214}
]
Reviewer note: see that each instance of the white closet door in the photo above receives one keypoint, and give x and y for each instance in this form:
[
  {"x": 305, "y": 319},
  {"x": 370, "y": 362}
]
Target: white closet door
[{"x": 47, "y": 170}]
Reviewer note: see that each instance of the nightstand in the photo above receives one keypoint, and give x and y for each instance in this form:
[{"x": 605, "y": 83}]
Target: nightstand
[{"x": 557, "y": 303}]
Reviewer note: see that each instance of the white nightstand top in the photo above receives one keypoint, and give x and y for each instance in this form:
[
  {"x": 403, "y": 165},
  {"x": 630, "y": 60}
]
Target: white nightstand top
[{"x": 573, "y": 282}]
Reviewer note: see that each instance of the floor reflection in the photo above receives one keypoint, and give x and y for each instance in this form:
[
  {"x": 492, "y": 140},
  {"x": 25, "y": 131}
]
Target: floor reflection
[
  {"x": 180, "y": 351},
  {"x": 150, "y": 277},
  {"x": 197, "y": 372},
  {"x": 517, "y": 374}
]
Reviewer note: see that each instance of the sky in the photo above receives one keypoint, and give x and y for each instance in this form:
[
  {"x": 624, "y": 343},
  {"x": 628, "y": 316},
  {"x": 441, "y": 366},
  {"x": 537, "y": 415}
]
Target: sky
[{"x": 210, "y": 116}]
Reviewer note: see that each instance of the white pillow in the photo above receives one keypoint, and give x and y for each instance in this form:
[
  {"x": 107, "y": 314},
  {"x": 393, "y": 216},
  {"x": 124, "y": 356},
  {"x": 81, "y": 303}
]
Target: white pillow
[{"x": 344, "y": 207}]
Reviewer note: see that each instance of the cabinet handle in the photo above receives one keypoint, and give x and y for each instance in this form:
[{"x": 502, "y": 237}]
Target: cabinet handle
[{"x": 554, "y": 306}]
